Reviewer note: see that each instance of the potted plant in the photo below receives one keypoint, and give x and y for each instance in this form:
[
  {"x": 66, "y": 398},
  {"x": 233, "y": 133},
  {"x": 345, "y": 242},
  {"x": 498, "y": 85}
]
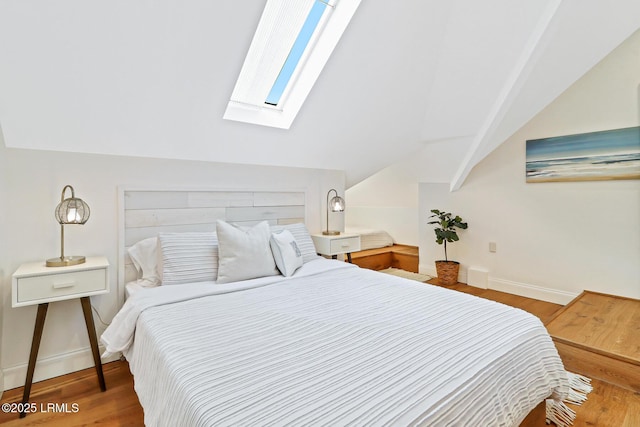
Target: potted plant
[{"x": 445, "y": 230}]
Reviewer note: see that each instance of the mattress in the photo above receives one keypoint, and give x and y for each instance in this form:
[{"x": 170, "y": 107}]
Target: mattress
[
  {"x": 332, "y": 345},
  {"x": 370, "y": 238}
]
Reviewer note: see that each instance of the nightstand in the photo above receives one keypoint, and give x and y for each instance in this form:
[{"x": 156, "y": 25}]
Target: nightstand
[
  {"x": 34, "y": 283},
  {"x": 343, "y": 243}
]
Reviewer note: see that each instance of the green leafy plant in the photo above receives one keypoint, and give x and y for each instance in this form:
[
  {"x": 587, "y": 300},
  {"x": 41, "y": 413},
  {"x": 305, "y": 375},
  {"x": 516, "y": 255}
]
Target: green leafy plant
[{"x": 446, "y": 229}]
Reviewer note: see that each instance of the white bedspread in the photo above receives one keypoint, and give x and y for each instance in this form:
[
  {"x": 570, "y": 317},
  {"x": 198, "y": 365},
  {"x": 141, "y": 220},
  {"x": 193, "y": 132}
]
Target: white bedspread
[{"x": 347, "y": 346}]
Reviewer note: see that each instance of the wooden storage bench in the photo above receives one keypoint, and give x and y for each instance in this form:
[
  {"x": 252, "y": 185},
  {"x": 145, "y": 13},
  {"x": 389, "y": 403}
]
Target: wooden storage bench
[{"x": 404, "y": 257}]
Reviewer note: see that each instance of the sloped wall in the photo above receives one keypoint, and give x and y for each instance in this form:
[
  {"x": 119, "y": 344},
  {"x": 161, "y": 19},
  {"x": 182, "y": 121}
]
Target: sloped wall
[
  {"x": 388, "y": 200},
  {"x": 553, "y": 240}
]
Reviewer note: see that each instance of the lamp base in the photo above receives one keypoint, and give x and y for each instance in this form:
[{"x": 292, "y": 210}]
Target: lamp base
[
  {"x": 63, "y": 262},
  {"x": 331, "y": 233}
]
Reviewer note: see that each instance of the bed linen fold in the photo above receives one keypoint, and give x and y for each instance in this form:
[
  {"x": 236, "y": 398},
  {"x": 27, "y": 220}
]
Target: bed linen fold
[{"x": 343, "y": 347}]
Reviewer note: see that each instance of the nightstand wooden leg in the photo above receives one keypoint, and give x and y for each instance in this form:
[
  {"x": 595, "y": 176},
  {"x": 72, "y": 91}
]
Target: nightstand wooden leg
[
  {"x": 349, "y": 257},
  {"x": 93, "y": 339},
  {"x": 35, "y": 346}
]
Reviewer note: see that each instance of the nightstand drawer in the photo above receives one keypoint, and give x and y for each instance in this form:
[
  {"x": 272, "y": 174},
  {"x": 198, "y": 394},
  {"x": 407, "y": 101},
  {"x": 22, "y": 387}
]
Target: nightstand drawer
[
  {"x": 61, "y": 285},
  {"x": 347, "y": 244}
]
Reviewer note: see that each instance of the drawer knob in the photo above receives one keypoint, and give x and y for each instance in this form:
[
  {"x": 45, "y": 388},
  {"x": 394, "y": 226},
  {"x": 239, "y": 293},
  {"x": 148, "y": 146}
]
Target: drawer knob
[{"x": 60, "y": 285}]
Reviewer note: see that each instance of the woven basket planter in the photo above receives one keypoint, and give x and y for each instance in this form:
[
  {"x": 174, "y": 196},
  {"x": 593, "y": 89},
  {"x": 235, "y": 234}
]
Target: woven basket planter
[{"x": 447, "y": 272}]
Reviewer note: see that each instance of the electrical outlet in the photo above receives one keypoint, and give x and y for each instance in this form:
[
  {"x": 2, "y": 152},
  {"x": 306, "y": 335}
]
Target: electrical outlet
[{"x": 492, "y": 246}]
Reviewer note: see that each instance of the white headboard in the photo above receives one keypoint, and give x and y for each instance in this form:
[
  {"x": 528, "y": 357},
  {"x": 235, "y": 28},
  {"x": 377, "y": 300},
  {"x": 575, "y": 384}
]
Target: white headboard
[{"x": 145, "y": 213}]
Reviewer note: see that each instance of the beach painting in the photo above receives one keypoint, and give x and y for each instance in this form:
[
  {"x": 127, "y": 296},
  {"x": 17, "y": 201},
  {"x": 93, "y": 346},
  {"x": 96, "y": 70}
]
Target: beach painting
[{"x": 595, "y": 156}]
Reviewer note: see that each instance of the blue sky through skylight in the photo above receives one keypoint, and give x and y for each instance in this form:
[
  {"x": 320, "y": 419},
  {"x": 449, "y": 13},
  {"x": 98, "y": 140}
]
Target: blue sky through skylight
[{"x": 297, "y": 50}]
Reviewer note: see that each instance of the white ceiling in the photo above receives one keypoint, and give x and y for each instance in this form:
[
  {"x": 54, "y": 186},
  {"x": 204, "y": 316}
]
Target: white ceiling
[{"x": 153, "y": 78}]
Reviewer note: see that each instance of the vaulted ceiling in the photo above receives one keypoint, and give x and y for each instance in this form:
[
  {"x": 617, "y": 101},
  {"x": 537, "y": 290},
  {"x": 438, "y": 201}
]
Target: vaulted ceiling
[{"x": 153, "y": 78}]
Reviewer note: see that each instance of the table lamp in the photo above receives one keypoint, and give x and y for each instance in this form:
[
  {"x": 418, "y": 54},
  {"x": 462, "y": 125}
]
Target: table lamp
[
  {"x": 336, "y": 204},
  {"x": 69, "y": 211}
]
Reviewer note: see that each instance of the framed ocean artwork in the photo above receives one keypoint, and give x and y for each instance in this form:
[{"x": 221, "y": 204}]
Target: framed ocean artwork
[{"x": 595, "y": 156}]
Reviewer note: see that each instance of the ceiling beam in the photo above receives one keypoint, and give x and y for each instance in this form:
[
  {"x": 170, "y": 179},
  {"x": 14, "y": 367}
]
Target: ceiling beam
[{"x": 527, "y": 60}]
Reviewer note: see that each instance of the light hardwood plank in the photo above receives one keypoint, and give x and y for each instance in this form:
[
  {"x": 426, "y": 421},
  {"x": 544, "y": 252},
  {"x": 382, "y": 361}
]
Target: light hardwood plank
[
  {"x": 598, "y": 336},
  {"x": 544, "y": 310},
  {"x": 404, "y": 257},
  {"x": 117, "y": 406},
  {"x": 592, "y": 320},
  {"x": 606, "y": 406},
  {"x": 592, "y": 364}
]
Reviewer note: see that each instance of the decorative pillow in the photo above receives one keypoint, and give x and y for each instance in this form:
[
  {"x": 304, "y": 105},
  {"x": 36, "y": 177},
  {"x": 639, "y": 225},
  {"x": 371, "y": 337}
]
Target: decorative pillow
[
  {"x": 303, "y": 239},
  {"x": 286, "y": 253},
  {"x": 244, "y": 253},
  {"x": 188, "y": 257},
  {"x": 144, "y": 256}
]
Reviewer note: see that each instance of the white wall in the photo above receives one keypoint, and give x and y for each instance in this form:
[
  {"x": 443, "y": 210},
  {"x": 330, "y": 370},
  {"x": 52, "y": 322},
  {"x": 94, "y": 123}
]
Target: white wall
[
  {"x": 34, "y": 181},
  {"x": 553, "y": 239},
  {"x": 388, "y": 200}
]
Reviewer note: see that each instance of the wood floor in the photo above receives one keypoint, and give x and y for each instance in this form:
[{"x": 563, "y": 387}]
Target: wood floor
[
  {"x": 607, "y": 406},
  {"x": 404, "y": 257},
  {"x": 598, "y": 335},
  {"x": 118, "y": 406}
]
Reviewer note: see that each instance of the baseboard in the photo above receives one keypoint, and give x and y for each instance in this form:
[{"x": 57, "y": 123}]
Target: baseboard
[
  {"x": 511, "y": 287},
  {"x": 532, "y": 291},
  {"x": 53, "y": 366}
]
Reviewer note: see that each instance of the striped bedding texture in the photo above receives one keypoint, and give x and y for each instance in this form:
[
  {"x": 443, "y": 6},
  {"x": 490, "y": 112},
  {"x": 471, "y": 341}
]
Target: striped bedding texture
[{"x": 336, "y": 346}]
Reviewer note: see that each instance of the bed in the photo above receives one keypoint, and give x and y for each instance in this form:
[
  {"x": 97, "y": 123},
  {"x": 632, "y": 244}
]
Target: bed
[{"x": 327, "y": 343}]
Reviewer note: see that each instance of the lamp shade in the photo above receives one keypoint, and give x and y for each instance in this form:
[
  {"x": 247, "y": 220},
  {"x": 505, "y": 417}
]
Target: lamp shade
[
  {"x": 336, "y": 204},
  {"x": 72, "y": 211}
]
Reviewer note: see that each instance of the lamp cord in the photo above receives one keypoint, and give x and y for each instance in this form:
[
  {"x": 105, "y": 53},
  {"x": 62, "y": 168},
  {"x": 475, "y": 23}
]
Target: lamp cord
[{"x": 99, "y": 318}]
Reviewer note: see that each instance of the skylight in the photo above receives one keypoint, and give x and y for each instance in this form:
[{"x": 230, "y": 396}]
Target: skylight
[
  {"x": 297, "y": 50},
  {"x": 293, "y": 41}
]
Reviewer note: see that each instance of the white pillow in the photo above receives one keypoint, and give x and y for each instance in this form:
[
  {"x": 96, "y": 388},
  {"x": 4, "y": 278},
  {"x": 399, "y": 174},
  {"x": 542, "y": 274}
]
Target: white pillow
[
  {"x": 244, "y": 253},
  {"x": 286, "y": 253},
  {"x": 144, "y": 256},
  {"x": 188, "y": 257},
  {"x": 303, "y": 239}
]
